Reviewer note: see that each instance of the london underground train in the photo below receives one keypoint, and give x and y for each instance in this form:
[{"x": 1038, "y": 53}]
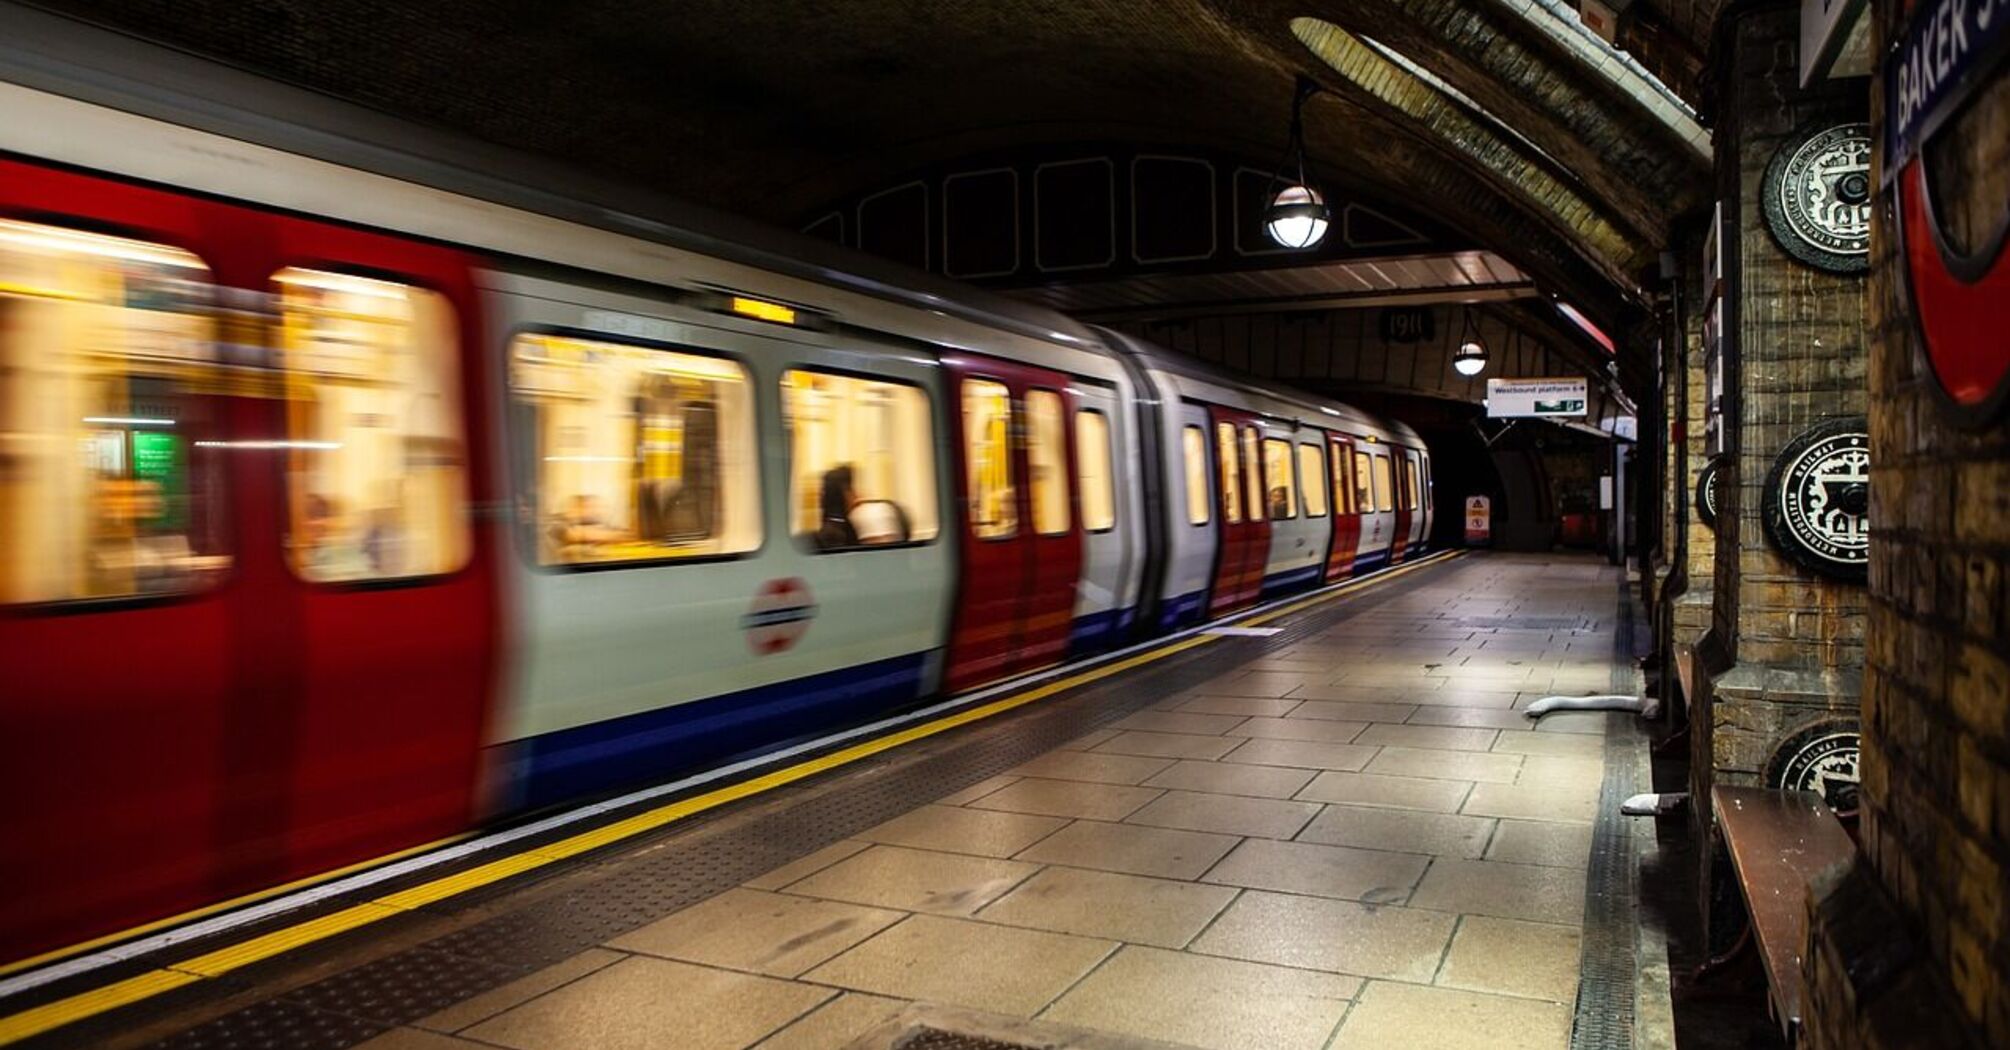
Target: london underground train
[{"x": 351, "y": 497}]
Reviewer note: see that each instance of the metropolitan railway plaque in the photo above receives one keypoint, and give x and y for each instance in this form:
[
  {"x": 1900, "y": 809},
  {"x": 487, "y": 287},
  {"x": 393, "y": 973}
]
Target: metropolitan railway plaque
[{"x": 1817, "y": 499}]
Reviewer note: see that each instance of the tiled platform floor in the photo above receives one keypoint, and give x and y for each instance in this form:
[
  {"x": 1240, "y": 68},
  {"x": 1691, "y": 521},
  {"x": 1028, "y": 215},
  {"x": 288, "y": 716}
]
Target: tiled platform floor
[{"x": 1354, "y": 841}]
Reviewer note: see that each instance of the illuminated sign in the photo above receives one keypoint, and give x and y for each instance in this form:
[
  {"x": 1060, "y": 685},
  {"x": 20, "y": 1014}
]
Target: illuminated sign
[{"x": 1522, "y": 398}]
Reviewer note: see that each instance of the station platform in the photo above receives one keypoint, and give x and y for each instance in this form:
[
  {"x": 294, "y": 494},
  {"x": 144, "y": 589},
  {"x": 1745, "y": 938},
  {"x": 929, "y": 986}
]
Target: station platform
[{"x": 1330, "y": 825}]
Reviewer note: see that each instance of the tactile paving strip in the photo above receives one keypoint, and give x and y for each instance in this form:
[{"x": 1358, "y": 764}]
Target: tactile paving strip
[
  {"x": 710, "y": 857},
  {"x": 1609, "y": 965}
]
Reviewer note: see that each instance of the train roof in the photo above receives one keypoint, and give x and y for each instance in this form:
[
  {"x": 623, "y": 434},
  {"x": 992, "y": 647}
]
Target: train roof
[{"x": 1314, "y": 410}]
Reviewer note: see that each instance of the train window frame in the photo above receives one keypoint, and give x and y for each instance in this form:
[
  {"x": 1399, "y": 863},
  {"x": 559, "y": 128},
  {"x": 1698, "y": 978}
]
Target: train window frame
[
  {"x": 1413, "y": 482},
  {"x": 1384, "y": 476},
  {"x": 461, "y": 352},
  {"x": 1305, "y": 491},
  {"x": 1193, "y": 470},
  {"x": 1066, "y": 478},
  {"x": 1341, "y": 463},
  {"x": 1364, "y": 490},
  {"x": 1012, "y": 425},
  {"x": 1291, "y": 497},
  {"x": 522, "y": 453},
  {"x": 1109, "y": 448},
  {"x": 230, "y": 543},
  {"x": 789, "y": 454},
  {"x": 1230, "y": 488},
  {"x": 1252, "y": 477}
]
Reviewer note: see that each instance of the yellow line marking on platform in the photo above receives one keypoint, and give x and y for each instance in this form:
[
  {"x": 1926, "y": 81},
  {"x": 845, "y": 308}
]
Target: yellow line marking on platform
[
  {"x": 37, "y": 1020},
  {"x": 207, "y": 910}
]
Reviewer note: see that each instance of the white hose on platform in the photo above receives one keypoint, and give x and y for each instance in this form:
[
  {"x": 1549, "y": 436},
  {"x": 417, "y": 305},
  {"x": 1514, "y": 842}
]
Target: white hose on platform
[{"x": 1610, "y": 702}]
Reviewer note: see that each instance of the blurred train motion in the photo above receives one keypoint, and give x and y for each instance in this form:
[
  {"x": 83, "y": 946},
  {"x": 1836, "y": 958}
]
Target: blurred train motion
[{"x": 351, "y": 497}]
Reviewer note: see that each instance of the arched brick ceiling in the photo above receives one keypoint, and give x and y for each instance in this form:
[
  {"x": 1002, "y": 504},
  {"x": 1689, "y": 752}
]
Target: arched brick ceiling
[{"x": 772, "y": 108}]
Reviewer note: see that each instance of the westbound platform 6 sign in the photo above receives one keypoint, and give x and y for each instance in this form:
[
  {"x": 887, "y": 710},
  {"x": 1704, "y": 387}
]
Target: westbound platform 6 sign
[{"x": 1948, "y": 50}]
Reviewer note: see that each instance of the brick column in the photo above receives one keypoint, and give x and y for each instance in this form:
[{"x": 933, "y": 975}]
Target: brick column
[{"x": 1785, "y": 645}]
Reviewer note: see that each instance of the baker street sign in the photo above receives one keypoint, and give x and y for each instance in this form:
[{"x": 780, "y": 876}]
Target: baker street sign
[{"x": 1948, "y": 50}]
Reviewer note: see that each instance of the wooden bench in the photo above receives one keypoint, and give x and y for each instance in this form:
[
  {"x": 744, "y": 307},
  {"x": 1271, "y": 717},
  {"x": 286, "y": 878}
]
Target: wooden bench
[{"x": 1778, "y": 840}]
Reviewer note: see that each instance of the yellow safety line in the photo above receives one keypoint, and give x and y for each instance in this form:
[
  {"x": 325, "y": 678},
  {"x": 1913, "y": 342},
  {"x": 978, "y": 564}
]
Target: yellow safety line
[
  {"x": 75, "y": 1008},
  {"x": 207, "y": 910}
]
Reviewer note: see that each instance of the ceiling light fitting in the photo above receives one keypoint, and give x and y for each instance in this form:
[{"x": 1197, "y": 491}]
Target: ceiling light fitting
[
  {"x": 1296, "y": 216},
  {"x": 1471, "y": 358}
]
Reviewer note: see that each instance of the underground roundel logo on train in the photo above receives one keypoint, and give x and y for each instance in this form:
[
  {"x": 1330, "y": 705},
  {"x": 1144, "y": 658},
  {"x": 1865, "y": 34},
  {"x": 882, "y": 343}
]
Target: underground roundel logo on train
[
  {"x": 1817, "y": 197},
  {"x": 779, "y": 614},
  {"x": 1817, "y": 509},
  {"x": 1954, "y": 289},
  {"x": 1822, "y": 758}
]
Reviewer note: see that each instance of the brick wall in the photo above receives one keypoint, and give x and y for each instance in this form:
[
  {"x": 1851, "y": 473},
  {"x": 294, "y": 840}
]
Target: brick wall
[
  {"x": 1936, "y": 705},
  {"x": 1797, "y": 356}
]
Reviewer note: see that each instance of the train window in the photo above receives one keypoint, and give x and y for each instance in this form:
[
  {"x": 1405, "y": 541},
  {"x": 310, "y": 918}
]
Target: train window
[
  {"x": 111, "y": 485},
  {"x": 1343, "y": 486},
  {"x": 1279, "y": 490},
  {"x": 639, "y": 454},
  {"x": 1410, "y": 494},
  {"x": 1194, "y": 444},
  {"x": 1046, "y": 461},
  {"x": 1231, "y": 473},
  {"x": 376, "y": 470},
  {"x": 1311, "y": 469},
  {"x": 1092, "y": 455},
  {"x": 1251, "y": 476},
  {"x": 1364, "y": 497},
  {"x": 987, "y": 459},
  {"x": 1384, "y": 497},
  {"x": 861, "y": 460}
]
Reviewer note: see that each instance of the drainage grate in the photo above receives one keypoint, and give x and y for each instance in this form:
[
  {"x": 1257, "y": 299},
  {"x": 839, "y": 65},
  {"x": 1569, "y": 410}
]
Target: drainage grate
[
  {"x": 639, "y": 884},
  {"x": 937, "y": 1039},
  {"x": 1608, "y": 967}
]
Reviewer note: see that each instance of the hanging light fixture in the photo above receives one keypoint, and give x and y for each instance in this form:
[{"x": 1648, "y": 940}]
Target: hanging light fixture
[
  {"x": 1296, "y": 216},
  {"x": 1471, "y": 358}
]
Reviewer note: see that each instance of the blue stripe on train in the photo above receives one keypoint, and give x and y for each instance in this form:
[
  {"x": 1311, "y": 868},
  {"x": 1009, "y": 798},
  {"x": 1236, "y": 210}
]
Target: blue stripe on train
[
  {"x": 653, "y": 746},
  {"x": 1371, "y": 559},
  {"x": 1180, "y": 611},
  {"x": 1099, "y": 632},
  {"x": 1295, "y": 580}
]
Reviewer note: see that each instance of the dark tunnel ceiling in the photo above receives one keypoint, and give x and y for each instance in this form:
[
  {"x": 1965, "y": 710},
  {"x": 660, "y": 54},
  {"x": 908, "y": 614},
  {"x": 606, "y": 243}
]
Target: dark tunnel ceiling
[{"x": 775, "y": 107}]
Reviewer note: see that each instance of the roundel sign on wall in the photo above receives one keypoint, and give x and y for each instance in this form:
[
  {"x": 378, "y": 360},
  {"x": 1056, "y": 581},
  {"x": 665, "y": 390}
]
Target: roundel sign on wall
[
  {"x": 1706, "y": 494},
  {"x": 1955, "y": 292},
  {"x": 1817, "y": 197},
  {"x": 1817, "y": 499},
  {"x": 1821, "y": 757}
]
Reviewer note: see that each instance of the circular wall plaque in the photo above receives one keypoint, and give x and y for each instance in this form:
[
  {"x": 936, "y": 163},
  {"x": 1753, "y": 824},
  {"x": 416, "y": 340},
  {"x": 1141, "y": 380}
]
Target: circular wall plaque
[
  {"x": 1823, "y": 758},
  {"x": 1817, "y": 499},
  {"x": 1817, "y": 197},
  {"x": 1706, "y": 495}
]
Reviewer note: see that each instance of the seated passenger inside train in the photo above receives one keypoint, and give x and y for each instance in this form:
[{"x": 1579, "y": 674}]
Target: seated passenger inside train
[
  {"x": 1280, "y": 502},
  {"x": 583, "y": 526},
  {"x": 848, "y": 521}
]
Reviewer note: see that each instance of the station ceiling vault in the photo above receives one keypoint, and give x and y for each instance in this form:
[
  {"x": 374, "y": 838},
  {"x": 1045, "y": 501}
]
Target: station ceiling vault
[{"x": 1503, "y": 119}]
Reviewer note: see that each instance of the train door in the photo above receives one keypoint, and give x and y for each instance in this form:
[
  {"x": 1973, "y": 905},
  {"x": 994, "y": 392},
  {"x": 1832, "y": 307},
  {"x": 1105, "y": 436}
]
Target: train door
[
  {"x": 1106, "y": 557},
  {"x": 379, "y": 344},
  {"x": 1022, "y": 542},
  {"x": 119, "y": 592},
  {"x": 1244, "y": 531},
  {"x": 1191, "y": 508},
  {"x": 1376, "y": 481},
  {"x": 1346, "y": 512},
  {"x": 1399, "y": 541},
  {"x": 1414, "y": 496}
]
